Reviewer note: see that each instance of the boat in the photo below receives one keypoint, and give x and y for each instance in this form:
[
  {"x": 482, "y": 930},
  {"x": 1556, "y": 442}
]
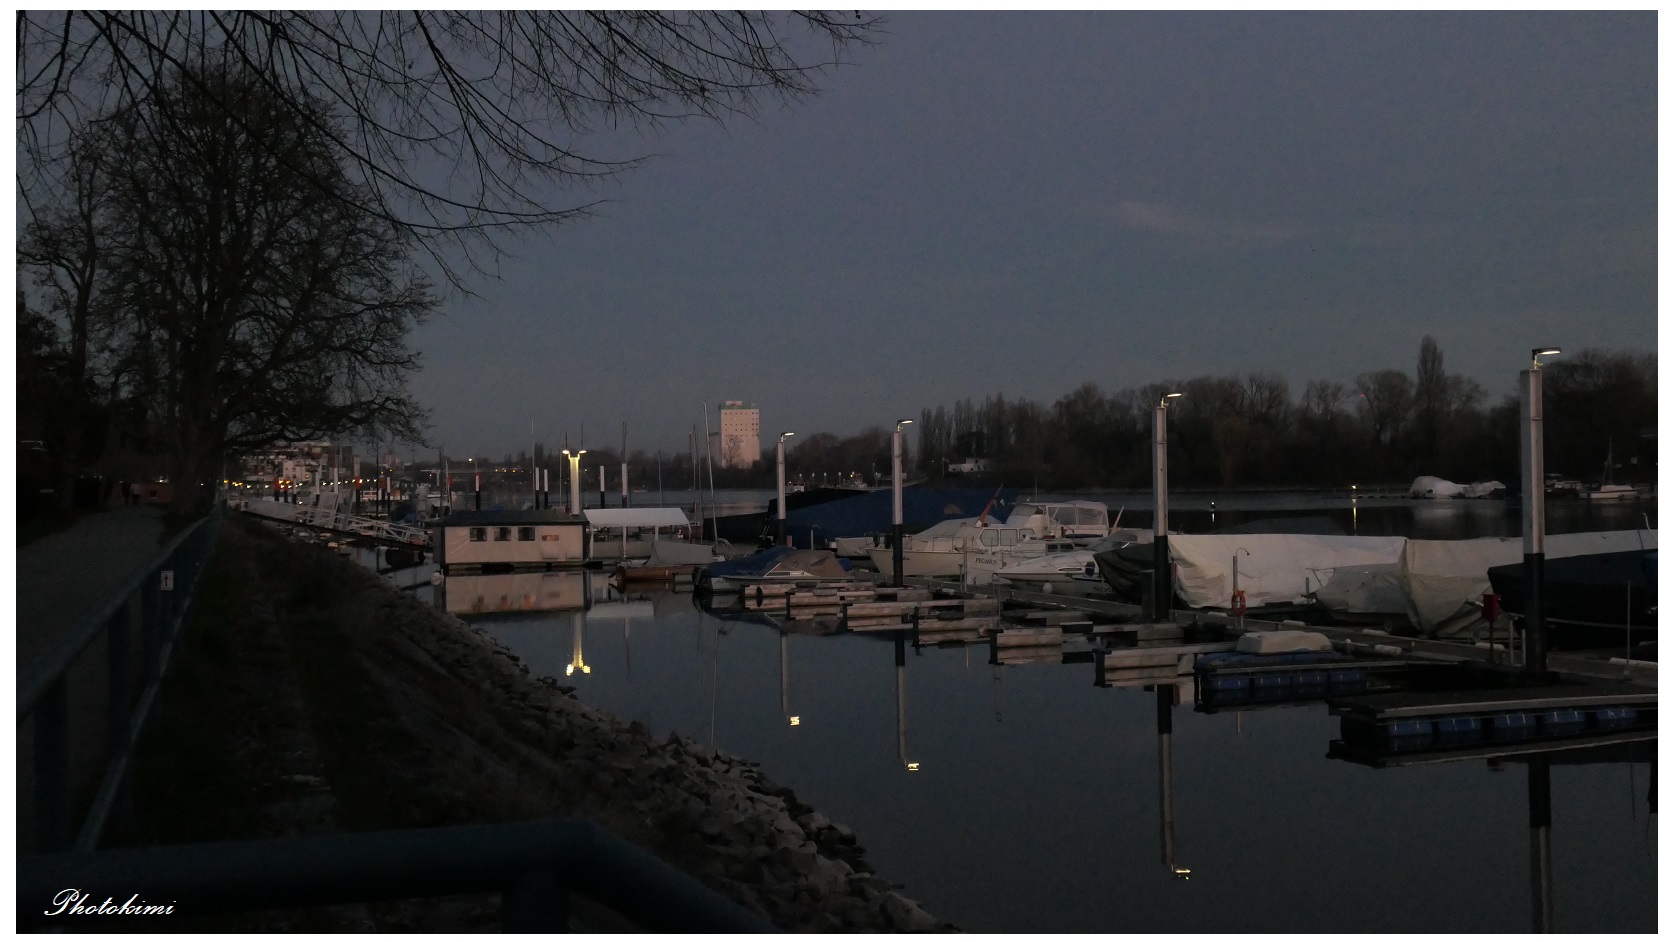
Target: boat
[
  {"x": 1059, "y": 569},
  {"x": 1434, "y": 488},
  {"x": 1590, "y": 600},
  {"x": 1611, "y": 492},
  {"x": 668, "y": 559},
  {"x": 779, "y": 564},
  {"x": 969, "y": 547},
  {"x": 817, "y": 517},
  {"x": 1085, "y": 520}
]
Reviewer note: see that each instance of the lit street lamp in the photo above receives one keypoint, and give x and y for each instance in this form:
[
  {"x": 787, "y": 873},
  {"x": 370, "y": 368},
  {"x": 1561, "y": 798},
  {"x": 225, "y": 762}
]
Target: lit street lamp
[
  {"x": 575, "y": 478},
  {"x": 895, "y": 469},
  {"x": 1534, "y": 512},
  {"x": 1162, "y": 591},
  {"x": 781, "y": 451}
]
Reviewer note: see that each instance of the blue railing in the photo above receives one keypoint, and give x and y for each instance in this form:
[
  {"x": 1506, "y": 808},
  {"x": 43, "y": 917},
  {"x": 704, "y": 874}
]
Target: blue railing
[
  {"x": 81, "y": 706},
  {"x": 534, "y": 866}
]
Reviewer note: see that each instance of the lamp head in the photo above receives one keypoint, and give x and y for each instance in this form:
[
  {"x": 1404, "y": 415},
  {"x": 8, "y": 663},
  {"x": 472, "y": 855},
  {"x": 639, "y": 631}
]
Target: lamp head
[
  {"x": 1539, "y": 352},
  {"x": 1167, "y": 396},
  {"x": 901, "y": 422}
]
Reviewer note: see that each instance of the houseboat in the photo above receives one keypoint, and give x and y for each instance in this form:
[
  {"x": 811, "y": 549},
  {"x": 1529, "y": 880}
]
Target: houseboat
[{"x": 507, "y": 540}]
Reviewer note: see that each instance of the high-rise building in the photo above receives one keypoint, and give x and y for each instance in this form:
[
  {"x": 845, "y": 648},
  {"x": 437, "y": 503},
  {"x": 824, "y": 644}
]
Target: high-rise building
[{"x": 740, "y": 444}]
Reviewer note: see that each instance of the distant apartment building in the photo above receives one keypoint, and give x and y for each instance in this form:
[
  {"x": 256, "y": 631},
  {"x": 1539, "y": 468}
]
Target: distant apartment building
[{"x": 740, "y": 434}]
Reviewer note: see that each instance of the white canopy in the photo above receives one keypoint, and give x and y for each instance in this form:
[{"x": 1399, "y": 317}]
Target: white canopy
[{"x": 642, "y": 517}]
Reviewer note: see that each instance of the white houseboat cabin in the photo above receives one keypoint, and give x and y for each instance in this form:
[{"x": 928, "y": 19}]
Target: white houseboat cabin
[{"x": 511, "y": 539}]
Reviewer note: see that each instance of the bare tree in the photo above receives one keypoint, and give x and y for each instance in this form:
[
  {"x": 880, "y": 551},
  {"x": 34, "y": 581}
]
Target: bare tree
[
  {"x": 261, "y": 305},
  {"x": 458, "y": 126}
]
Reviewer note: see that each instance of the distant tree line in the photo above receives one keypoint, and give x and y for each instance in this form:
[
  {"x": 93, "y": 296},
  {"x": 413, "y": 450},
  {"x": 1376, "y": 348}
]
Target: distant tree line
[{"x": 1387, "y": 427}]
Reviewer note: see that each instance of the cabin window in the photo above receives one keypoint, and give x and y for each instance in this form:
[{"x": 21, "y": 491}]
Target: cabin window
[
  {"x": 502, "y": 534},
  {"x": 549, "y": 537},
  {"x": 990, "y": 538},
  {"x": 479, "y": 534},
  {"x": 525, "y": 534}
]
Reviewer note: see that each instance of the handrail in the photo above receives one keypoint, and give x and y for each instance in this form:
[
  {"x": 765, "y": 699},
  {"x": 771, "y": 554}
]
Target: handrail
[
  {"x": 533, "y": 864},
  {"x": 141, "y": 622},
  {"x": 34, "y": 680}
]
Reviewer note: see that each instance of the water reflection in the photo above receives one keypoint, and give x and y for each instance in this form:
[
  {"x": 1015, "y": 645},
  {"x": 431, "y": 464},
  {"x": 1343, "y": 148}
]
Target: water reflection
[
  {"x": 1168, "y": 695},
  {"x": 1338, "y": 846},
  {"x": 517, "y": 592}
]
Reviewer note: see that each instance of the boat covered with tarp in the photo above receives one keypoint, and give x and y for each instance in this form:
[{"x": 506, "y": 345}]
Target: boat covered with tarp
[
  {"x": 1590, "y": 600},
  {"x": 777, "y": 564},
  {"x": 1434, "y": 586}
]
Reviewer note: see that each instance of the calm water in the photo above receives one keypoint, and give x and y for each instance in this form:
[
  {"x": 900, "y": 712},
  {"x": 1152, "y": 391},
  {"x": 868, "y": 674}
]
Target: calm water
[{"x": 1036, "y": 803}]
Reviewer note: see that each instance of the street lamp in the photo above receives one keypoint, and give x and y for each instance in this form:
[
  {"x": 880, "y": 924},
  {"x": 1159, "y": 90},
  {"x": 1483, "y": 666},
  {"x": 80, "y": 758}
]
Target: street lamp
[
  {"x": 1534, "y": 512},
  {"x": 895, "y": 470},
  {"x": 1162, "y": 590},
  {"x": 781, "y": 453},
  {"x": 575, "y": 478}
]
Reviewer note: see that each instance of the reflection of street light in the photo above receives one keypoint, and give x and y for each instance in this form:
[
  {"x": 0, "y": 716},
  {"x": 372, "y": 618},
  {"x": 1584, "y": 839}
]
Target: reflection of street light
[
  {"x": 1165, "y": 765},
  {"x": 577, "y": 626},
  {"x": 895, "y": 469},
  {"x": 575, "y": 478},
  {"x": 781, "y": 451},
  {"x": 1162, "y": 584},
  {"x": 1533, "y": 412},
  {"x": 901, "y": 701}
]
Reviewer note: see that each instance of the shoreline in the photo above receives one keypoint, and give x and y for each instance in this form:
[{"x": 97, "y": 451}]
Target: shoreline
[{"x": 352, "y": 706}]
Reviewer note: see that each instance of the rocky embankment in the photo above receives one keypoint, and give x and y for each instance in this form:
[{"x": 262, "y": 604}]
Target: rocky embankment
[{"x": 462, "y": 732}]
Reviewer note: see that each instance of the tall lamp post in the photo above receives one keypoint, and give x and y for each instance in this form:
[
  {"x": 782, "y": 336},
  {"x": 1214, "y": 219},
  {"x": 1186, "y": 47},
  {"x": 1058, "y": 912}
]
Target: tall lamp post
[
  {"x": 895, "y": 470},
  {"x": 575, "y": 478},
  {"x": 1162, "y": 589},
  {"x": 781, "y": 454},
  {"x": 1534, "y": 512}
]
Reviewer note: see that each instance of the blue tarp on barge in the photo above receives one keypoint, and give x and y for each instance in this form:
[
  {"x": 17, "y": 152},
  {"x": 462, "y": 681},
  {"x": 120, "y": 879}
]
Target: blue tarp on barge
[{"x": 871, "y": 512}]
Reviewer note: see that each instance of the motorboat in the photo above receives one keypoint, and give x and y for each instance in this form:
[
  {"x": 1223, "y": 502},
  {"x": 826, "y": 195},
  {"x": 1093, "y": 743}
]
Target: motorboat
[
  {"x": 1084, "y": 520},
  {"x": 1064, "y": 568},
  {"x": 969, "y": 547}
]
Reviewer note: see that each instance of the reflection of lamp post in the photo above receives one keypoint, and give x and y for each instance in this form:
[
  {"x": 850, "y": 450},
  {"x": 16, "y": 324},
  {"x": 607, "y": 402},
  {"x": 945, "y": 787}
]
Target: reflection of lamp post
[
  {"x": 1165, "y": 763},
  {"x": 901, "y": 700},
  {"x": 1162, "y": 591},
  {"x": 578, "y": 627},
  {"x": 575, "y": 479},
  {"x": 781, "y": 452},
  {"x": 1540, "y": 839},
  {"x": 784, "y": 680},
  {"x": 895, "y": 469},
  {"x": 1534, "y": 513}
]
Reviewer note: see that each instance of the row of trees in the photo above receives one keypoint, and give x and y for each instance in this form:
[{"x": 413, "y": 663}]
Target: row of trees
[{"x": 1387, "y": 427}]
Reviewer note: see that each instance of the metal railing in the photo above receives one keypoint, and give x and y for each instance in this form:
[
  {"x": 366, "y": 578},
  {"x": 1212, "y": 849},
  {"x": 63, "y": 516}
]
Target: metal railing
[
  {"x": 534, "y": 867},
  {"x": 81, "y": 706}
]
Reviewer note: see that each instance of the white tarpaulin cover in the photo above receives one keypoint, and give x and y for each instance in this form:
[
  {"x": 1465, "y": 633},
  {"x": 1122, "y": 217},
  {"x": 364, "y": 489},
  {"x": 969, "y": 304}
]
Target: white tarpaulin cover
[
  {"x": 1432, "y": 582},
  {"x": 1428, "y": 486},
  {"x": 1279, "y": 567}
]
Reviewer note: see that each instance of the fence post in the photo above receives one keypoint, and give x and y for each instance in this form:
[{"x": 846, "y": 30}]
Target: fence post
[
  {"x": 538, "y": 901},
  {"x": 52, "y": 768}
]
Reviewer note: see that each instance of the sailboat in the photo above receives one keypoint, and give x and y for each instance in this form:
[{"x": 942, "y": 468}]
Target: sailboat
[{"x": 1608, "y": 491}]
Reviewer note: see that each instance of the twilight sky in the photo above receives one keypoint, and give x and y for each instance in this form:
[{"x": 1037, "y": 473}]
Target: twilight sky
[{"x": 1019, "y": 203}]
